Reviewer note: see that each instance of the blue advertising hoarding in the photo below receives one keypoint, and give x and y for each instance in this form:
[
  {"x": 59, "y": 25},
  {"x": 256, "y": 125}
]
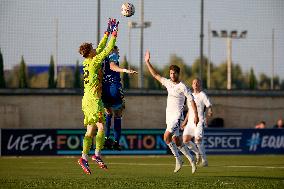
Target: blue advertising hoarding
[{"x": 18, "y": 142}]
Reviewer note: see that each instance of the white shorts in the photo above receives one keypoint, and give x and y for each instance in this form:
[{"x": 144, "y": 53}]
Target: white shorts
[
  {"x": 193, "y": 130},
  {"x": 173, "y": 126}
]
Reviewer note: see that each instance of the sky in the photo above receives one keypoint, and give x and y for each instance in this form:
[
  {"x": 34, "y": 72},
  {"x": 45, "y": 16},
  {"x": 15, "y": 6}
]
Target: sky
[{"x": 28, "y": 28}]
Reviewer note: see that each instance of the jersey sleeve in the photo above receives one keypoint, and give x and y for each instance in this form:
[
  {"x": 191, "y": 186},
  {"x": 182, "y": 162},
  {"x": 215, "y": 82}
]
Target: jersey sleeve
[
  {"x": 165, "y": 82},
  {"x": 187, "y": 93},
  {"x": 113, "y": 58},
  {"x": 206, "y": 100},
  {"x": 99, "y": 57},
  {"x": 102, "y": 44}
]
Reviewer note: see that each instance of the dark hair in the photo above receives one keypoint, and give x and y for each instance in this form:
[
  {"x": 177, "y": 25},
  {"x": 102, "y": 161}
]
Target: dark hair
[
  {"x": 85, "y": 49},
  {"x": 115, "y": 47},
  {"x": 175, "y": 68}
]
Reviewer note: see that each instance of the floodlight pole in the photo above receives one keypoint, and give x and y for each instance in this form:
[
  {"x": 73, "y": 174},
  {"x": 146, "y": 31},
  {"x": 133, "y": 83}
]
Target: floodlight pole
[
  {"x": 141, "y": 73},
  {"x": 56, "y": 50},
  {"x": 229, "y": 63},
  {"x": 209, "y": 57},
  {"x": 98, "y": 20},
  {"x": 201, "y": 40},
  {"x": 272, "y": 66},
  {"x": 229, "y": 37}
]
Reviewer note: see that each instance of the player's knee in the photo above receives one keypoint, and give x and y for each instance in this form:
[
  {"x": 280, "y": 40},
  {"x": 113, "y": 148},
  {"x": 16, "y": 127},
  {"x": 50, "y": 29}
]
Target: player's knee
[
  {"x": 100, "y": 126},
  {"x": 167, "y": 138},
  {"x": 118, "y": 113},
  {"x": 108, "y": 111},
  {"x": 186, "y": 139},
  {"x": 198, "y": 140},
  {"x": 89, "y": 134}
]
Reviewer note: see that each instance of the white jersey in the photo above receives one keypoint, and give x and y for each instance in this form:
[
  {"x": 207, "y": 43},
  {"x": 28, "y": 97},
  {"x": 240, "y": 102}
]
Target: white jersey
[
  {"x": 176, "y": 98},
  {"x": 201, "y": 101}
]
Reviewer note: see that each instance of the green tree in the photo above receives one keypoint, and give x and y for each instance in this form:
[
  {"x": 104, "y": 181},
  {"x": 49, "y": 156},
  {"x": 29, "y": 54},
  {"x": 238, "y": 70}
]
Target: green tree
[
  {"x": 125, "y": 76},
  {"x": 2, "y": 77},
  {"x": 252, "y": 80},
  {"x": 219, "y": 76},
  {"x": 51, "y": 80},
  {"x": 264, "y": 81},
  {"x": 238, "y": 78},
  {"x": 195, "y": 71},
  {"x": 22, "y": 74},
  {"x": 77, "y": 76},
  {"x": 150, "y": 82}
]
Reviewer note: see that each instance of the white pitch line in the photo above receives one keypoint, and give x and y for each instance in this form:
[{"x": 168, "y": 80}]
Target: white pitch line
[{"x": 229, "y": 166}]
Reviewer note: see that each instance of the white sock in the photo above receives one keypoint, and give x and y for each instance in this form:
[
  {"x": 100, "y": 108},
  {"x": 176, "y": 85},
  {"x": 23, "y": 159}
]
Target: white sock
[
  {"x": 97, "y": 152},
  {"x": 85, "y": 157},
  {"x": 201, "y": 150},
  {"x": 186, "y": 152},
  {"x": 174, "y": 149},
  {"x": 192, "y": 147}
]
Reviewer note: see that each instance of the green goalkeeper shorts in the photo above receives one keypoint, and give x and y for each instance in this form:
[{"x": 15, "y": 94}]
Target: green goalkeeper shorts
[{"x": 93, "y": 109}]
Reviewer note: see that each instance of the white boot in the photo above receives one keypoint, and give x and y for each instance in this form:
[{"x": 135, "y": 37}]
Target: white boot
[{"x": 178, "y": 164}]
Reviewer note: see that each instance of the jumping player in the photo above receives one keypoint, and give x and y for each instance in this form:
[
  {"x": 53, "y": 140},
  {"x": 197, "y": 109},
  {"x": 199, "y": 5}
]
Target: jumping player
[
  {"x": 177, "y": 91},
  {"x": 193, "y": 130},
  {"x": 92, "y": 104},
  {"x": 113, "y": 98}
]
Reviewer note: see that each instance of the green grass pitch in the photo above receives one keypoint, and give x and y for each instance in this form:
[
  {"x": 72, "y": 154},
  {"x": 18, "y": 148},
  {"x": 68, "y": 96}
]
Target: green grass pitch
[{"x": 260, "y": 171}]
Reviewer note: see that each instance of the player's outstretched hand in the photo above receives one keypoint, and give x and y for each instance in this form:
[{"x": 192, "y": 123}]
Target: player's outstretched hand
[
  {"x": 109, "y": 29},
  {"x": 114, "y": 24},
  {"x": 132, "y": 72},
  {"x": 147, "y": 56}
]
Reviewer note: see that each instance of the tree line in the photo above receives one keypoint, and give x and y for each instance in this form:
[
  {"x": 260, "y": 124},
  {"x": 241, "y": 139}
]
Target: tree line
[{"x": 218, "y": 76}]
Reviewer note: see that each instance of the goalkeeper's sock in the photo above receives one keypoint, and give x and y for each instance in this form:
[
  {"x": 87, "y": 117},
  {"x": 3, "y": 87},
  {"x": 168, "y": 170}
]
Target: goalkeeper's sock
[
  {"x": 100, "y": 140},
  {"x": 87, "y": 143}
]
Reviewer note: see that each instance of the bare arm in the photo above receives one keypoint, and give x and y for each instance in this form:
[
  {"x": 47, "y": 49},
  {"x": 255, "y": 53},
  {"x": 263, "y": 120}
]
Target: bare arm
[
  {"x": 185, "y": 120},
  {"x": 150, "y": 67},
  {"x": 210, "y": 111},
  {"x": 116, "y": 68},
  {"x": 196, "y": 118}
]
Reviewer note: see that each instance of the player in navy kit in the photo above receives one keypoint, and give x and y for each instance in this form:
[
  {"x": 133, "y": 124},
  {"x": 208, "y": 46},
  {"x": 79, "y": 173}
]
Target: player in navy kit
[{"x": 113, "y": 98}]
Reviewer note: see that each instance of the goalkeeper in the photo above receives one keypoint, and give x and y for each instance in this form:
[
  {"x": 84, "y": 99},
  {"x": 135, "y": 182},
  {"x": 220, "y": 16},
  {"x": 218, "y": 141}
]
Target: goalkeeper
[{"x": 92, "y": 104}]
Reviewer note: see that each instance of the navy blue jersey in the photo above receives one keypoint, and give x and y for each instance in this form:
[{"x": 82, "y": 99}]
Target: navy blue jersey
[{"x": 109, "y": 75}]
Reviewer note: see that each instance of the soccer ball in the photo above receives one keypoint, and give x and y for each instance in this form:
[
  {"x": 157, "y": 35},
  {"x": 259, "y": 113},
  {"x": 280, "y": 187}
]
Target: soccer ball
[{"x": 127, "y": 9}]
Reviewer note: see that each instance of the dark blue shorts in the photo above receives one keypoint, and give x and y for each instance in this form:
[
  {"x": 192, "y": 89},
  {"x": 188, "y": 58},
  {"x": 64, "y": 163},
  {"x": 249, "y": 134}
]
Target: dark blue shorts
[{"x": 113, "y": 96}]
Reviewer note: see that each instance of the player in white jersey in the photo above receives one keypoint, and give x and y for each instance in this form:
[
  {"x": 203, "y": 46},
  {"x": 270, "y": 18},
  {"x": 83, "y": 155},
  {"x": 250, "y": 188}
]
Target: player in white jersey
[
  {"x": 177, "y": 91},
  {"x": 196, "y": 130}
]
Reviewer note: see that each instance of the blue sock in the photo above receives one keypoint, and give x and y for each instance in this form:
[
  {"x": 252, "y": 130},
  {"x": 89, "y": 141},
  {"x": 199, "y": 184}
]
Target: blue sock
[
  {"x": 107, "y": 125},
  {"x": 117, "y": 128}
]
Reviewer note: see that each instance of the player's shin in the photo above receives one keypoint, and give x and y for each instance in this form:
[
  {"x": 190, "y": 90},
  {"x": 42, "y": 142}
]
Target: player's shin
[
  {"x": 191, "y": 146},
  {"x": 87, "y": 143},
  {"x": 108, "y": 125},
  {"x": 174, "y": 149},
  {"x": 100, "y": 140},
  {"x": 201, "y": 150},
  {"x": 186, "y": 152},
  {"x": 183, "y": 148},
  {"x": 117, "y": 128}
]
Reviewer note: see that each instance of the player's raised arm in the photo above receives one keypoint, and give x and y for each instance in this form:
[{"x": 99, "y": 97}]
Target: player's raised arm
[
  {"x": 150, "y": 67},
  {"x": 103, "y": 41},
  {"x": 116, "y": 68}
]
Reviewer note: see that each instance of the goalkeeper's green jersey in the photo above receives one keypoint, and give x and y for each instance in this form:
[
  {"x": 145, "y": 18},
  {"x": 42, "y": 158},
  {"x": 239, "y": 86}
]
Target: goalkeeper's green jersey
[{"x": 92, "y": 104}]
